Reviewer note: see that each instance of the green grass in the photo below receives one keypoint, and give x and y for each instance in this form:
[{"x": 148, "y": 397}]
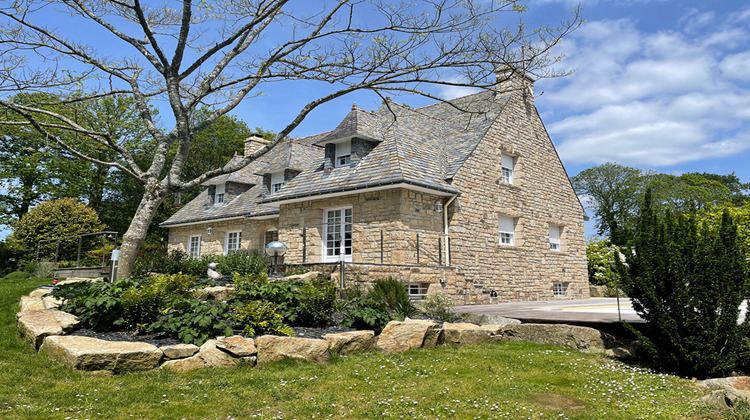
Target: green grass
[{"x": 503, "y": 380}]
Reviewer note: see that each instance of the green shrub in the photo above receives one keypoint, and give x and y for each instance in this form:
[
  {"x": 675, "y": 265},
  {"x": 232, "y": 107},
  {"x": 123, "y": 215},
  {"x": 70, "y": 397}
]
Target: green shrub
[
  {"x": 364, "y": 313},
  {"x": 687, "y": 282},
  {"x": 241, "y": 263},
  {"x": 97, "y": 305},
  {"x": 197, "y": 267},
  {"x": 143, "y": 304},
  {"x": 600, "y": 257},
  {"x": 43, "y": 270},
  {"x": 257, "y": 318},
  {"x": 438, "y": 306},
  {"x": 393, "y": 294},
  {"x": 244, "y": 282},
  {"x": 193, "y": 321},
  {"x": 300, "y": 303},
  {"x": 17, "y": 275},
  {"x": 294, "y": 270},
  {"x": 316, "y": 304}
]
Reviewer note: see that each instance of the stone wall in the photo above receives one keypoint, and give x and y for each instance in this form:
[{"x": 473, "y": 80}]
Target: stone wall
[
  {"x": 253, "y": 233},
  {"x": 398, "y": 214},
  {"x": 540, "y": 195}
]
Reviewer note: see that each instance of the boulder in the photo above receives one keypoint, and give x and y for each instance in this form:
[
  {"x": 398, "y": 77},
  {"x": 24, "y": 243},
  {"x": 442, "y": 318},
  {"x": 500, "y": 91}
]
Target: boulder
[
  {"x": 410, "y": 334},
  {"x": 725, "y": 392},
  {"x": 351, "y": 342},
  {"x": 215, "y": 293},
  {"x": 303, "y": 276},
  {"x": 182, "y": 365},
  {"x": 92, "y": 354},
  {"x": 237, "y": 345},
  {"x": 35, "y": 325},
  {"x": 489, "y": 319},
  {"x": 37, "y": 303},
  {"x": 40, "y": 292},
  {"x": 215, "y": 357},
  {"x": 465, "y": 333},
  {"x": 584, "y": 339},
  {"x": 80, "y": 279},
  {"x": 272, "y": 348},
  {"x": 179, "y": 351}
]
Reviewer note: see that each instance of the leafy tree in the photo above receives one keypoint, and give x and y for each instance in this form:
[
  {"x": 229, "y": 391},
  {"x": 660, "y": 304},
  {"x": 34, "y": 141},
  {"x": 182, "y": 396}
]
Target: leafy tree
[
  {"x": 54, "y": 219},
  {"x": 687, "y": 282},
  {"x": 600, "y": 255},
  {"x": 221, "y": 54},
  {"x": 613, "y": 192}
]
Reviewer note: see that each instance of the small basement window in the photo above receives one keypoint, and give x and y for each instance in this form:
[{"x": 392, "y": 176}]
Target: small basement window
[
  {"x": 418, "y": 290},
  {"x": 559, "y": 289}
]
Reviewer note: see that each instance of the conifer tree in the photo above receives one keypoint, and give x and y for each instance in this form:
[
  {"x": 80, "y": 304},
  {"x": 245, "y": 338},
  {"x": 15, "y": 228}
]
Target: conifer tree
[{"x": 687, "y": 282}]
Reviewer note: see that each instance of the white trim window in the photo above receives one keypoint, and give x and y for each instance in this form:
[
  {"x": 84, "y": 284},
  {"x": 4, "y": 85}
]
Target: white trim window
[
  {"x": 194, "y": 247},
  {"x": 343, "y": 154},
  {"x": 559, "y": 289},
  {"x": 507, "y": 229},
  {"x": 277, "y": 181},
  {"x": 418, "y": 290},
  {"x": 219, "y": 195},
  {"x": 233, "y": 242},
  {"x": 508, "y": 166},
  {"x": 337, "y": 241},
  {"x": 554, "y": 237}
]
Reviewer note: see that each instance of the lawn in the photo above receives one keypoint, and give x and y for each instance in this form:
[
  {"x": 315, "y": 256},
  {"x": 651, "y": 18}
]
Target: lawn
[{"x": 504, "y": 380}]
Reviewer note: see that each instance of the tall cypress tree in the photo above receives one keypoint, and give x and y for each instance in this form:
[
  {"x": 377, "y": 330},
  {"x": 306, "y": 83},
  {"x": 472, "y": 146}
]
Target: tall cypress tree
[{"x": 687, "y": 282}]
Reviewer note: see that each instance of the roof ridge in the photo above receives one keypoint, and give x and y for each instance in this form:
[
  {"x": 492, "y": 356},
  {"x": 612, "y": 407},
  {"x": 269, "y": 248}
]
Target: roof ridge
[{"x": 442, "y": 102}]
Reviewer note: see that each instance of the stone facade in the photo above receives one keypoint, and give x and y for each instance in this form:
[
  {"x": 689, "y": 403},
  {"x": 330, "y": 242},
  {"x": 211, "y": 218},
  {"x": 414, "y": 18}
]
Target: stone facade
[
  {"x": 540, "y": 195},
  {"x": 253, "y": 234}
]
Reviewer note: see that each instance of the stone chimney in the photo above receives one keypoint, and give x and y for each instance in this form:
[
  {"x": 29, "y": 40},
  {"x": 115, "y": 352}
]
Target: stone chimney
[
  {"x": 510, "y": 78},
  {"x": 253, "y": 143}
]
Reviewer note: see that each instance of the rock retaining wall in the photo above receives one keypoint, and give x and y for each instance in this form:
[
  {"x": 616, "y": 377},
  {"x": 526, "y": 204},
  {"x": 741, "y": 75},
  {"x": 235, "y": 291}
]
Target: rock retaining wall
[{"x": 45, "y": 329}]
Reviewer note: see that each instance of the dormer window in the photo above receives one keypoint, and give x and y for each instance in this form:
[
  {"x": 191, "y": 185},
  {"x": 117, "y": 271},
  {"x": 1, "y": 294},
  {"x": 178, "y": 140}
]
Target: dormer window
[
  {"x": 219, "y": 197},
  {"x": 343, "y": 154},
  {"x": 277, "y": 181}
]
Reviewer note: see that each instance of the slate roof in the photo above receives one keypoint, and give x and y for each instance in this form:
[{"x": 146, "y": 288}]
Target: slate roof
[
  {"x": 291, "y": 154},
  {"x": 422, "y": 147}
]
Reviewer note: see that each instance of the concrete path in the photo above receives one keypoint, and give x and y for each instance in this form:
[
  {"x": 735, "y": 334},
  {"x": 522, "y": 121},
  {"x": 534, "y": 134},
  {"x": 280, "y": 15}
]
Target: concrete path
[{"x": 595, "y": 310}]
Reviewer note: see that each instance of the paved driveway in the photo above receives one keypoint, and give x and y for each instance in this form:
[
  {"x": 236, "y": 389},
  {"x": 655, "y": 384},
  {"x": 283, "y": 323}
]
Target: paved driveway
[{"x": 595, "y": 310}]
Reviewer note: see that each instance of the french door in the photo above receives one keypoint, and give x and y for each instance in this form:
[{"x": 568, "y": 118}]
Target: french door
[{"x": 337, "y": 240}]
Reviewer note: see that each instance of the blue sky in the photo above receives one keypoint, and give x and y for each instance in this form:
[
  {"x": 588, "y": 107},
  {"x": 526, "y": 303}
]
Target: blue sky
[{"x": 657, "y": 84}]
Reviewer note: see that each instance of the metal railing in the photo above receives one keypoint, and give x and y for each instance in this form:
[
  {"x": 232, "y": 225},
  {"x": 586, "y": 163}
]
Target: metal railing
[
  {"x": 63, "y": 245},
  {"x": 371, "y": 244}
]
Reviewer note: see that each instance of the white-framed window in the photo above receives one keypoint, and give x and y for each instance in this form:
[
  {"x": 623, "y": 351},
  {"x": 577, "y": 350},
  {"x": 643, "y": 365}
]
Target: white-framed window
[
  {"x": 220, "y": 191},
  {"x": 343, "y": 154},
  {"x": 194, "y": 247},
  {"x": 418, "y": 290},
  {"x": 338, "y": 234},
  {"x": 508, "y": 165},
  {"x": 233, "y": 242},
  {"x": 559, "y": 289},
  {"x": 554, "y": 237},
  {"x": 277, "y": 181},
  {"x": 507, "y": 228}
]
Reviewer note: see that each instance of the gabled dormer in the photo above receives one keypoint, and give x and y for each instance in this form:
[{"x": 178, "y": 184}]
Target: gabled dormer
[
  {"x": 286, "y": 161},
  {"x": 352, "y": 140}
]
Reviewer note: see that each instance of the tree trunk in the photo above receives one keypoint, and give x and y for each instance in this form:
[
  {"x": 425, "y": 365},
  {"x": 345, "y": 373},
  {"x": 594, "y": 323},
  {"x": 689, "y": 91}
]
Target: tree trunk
[{"x": 153, "y": 196}]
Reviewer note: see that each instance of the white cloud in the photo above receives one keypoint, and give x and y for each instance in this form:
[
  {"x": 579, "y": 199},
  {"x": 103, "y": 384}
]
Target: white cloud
[{"x": 659, "y": 98}]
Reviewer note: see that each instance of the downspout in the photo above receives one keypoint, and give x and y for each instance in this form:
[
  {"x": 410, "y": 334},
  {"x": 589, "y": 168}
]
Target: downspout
[{"x": 446, "y": 230}]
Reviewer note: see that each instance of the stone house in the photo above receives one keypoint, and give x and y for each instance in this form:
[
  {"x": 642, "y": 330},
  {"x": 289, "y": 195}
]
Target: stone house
[{"x": 466, "y": 197}]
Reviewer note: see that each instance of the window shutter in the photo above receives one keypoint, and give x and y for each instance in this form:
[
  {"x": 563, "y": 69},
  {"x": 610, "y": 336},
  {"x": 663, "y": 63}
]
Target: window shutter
[
  {"x": 506, "y": 224},
  {"x": 507, "y": 161},
  {"x": 277, "y": 178},
  {"x": 554, "y": 234},
  {"x": 343, "y": 149}
]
